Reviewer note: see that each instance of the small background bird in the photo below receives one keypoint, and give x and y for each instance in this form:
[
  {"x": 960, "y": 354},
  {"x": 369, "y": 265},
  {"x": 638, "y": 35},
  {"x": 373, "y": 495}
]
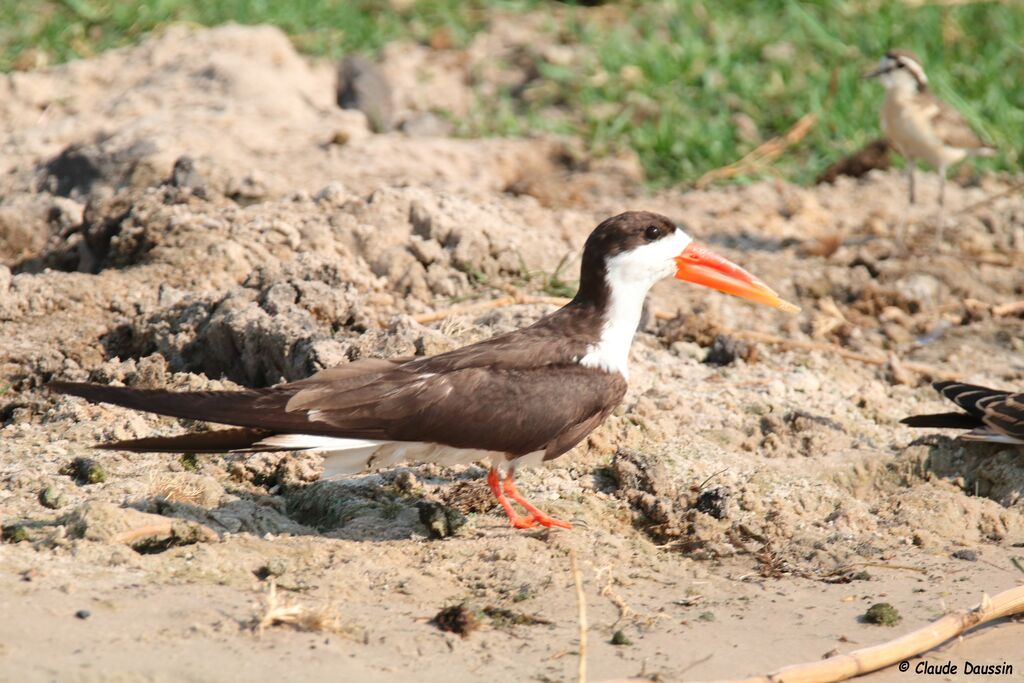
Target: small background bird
[{"x": 920, "y": 125}]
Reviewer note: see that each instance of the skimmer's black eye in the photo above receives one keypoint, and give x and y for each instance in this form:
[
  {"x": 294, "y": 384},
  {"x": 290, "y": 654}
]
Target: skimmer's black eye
[{"x": 652, "y": 232}]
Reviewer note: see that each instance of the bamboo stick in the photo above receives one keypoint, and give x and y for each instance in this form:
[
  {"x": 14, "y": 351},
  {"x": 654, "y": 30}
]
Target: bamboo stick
[{"x": 866, "y": 660}]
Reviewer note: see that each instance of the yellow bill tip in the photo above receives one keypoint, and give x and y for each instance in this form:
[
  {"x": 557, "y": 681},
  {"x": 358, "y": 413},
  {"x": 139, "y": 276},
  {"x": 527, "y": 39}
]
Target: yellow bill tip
[{"x": 787, "y": 307}]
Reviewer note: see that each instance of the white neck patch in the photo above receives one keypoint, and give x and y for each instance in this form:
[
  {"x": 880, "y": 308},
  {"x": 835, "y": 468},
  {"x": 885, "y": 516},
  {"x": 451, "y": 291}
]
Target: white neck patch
[{"x": 630, "y": 275}]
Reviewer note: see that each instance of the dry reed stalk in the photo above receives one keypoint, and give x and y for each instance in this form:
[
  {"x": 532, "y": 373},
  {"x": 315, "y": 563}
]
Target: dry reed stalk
[
  {"x": 581, "y": 603},
  {"x": 868, "y": 659},
  {"x": 763, "y": 153}
]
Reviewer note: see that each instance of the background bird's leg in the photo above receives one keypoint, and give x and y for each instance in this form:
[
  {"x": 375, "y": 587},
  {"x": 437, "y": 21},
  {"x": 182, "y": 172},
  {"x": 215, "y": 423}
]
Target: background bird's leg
[
  {"x": 942, "y": 185},
  {"x": 494, "y": 482},
  {"x": 537, "y": 515},
  {"x": 942, "y": 204},
  {"x": 910, "y": 178}
]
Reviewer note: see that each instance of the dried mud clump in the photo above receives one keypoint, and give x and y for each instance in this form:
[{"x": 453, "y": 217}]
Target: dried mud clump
[
  {"x": 457, "y": 619},
  {"x": 145, "y": 533},
  {"x": 874, "y": 155},
  {"x": 646, "y": 484},
  {"x": 109, "y": 231},
  {"x": 277, "y": 471},
  {"x": 801, "y": 433},
  {"x": 670, "y": 516},
  {"x": 714, "y": 502},
  {"x": 695, "y": 326},
  {"x": 272, "y": 328},
  {"x": 699, "y": 520},
  {"x": 363, "y": 85},
  {"x": 364, "y": 509},
  {"x": 83, "y": 170},
  {"x": 726, "y": 350}
]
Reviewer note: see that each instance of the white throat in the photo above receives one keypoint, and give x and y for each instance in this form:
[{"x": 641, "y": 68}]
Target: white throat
[{"x": 630, "y": 276}]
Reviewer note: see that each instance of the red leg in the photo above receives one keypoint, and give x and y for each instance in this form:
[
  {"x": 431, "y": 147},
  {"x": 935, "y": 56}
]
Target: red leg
[
  {"x": 537, "y": 516},
  {"x": 518, "y": 522}
]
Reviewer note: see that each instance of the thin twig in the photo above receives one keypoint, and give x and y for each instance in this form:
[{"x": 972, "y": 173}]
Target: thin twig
[
  {"x": 880, "y": 565},
  {"x": 993, "y": 260},
  {"x": 581, "y": 603},
  {"x": 710, "y": 477},
  {"x": 1016, "y": 187},
  {"x": 1008, "y": 309},
  {"x": 763, "y": 153}
]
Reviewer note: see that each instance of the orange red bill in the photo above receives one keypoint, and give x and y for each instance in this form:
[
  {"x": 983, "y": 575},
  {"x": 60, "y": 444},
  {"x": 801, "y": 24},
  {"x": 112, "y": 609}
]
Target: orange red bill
[{"x": 700, "y": 265}]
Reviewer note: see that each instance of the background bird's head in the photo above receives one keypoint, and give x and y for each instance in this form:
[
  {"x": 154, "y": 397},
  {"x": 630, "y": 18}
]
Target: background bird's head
[{"x": 900, "y": 70}]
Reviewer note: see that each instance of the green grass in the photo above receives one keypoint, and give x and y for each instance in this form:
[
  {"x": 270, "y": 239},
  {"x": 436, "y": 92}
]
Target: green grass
[
  {"x": 668, "y": 79},
  {"x": 67, "y": 29}
]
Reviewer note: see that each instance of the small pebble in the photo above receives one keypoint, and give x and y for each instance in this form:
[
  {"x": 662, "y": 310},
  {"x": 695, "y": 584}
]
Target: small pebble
[
  {"x": 83, "y": 614},
  {"x": 50, "y": 497},
  {"x": 620, "y": 638},
  {"x": 966, "y": 554}
]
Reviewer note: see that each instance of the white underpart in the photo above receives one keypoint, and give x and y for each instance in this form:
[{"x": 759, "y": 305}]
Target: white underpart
[
  {"x": 989, "y": 435},
  {"x": 630, "y": 275},
  {"x": 343, "y": 457}
]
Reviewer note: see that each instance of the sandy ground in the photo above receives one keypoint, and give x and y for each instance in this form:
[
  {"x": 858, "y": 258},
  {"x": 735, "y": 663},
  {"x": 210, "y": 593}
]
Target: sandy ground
[{"x": 197, "y": 212}]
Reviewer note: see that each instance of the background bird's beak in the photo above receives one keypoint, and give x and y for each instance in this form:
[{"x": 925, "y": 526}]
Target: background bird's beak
[
  {"x": 876, "y": 73},
  {"x": 702, "y": 266}
]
